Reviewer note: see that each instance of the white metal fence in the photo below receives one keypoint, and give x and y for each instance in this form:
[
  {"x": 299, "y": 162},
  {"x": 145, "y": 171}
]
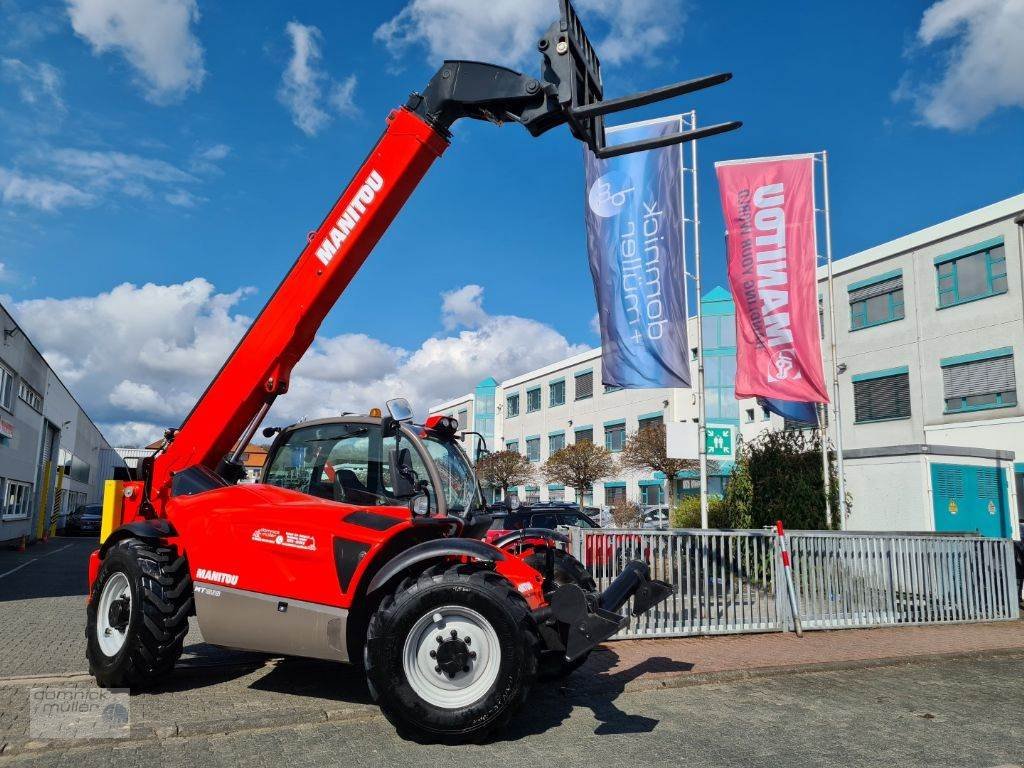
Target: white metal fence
[{"x": 731, "y": 581}]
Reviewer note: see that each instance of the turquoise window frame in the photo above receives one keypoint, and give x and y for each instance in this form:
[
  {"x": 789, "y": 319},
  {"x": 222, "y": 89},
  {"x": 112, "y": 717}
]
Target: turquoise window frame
[
  {"x": 512, "y": 445},
  {"x": 535, "y": 440},
  {"x": 540, "y": 402},
  {"x": 976, "y": 357},
  {"x": 552, "y": 403},
  {"x": 575, "y": 391},
  {"x": 554, "y": 435},
  {"x": 948, "y": 285},
  {"x": 508, "y": 405},
  {"x": 859, "y": 309},
  {"x": 614, "y": 428},
  {"x": 888, "y": 373}
]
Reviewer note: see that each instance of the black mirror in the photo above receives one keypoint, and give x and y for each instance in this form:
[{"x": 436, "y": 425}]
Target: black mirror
[
  {"x": 271, "y": 431},
  {"x": 403, "y": 476}
]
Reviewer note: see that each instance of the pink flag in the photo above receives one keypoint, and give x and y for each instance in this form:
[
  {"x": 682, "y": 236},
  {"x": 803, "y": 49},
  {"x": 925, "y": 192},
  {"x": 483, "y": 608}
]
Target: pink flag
[{"x": 771, "y": 248}]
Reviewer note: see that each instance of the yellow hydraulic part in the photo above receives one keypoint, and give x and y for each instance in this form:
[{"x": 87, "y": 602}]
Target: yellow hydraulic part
[{"x": 113, "y": 507}]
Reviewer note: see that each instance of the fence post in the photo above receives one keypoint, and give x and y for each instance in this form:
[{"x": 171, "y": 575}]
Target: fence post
[{"x": 788, "y": 571}]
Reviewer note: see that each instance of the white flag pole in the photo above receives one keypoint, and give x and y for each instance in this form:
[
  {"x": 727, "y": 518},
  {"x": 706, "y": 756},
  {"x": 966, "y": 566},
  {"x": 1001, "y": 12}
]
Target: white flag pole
[
  {"x": 702, "y": 436},
  {"x": 837, "y": 415}
]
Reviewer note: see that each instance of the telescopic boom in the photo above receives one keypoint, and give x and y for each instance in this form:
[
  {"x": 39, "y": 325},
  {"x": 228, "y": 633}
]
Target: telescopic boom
[{"x": 569, "y": 91}]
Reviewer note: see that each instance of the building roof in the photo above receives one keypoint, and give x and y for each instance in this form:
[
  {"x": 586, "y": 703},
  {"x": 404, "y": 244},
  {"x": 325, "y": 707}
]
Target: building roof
[{"x": 1004, "y": 209}]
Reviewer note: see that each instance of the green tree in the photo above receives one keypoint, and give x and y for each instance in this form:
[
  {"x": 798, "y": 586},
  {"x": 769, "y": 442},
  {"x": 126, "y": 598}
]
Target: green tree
[
  {"x": 504, "y": 470},
  {"x": 579, "y": 465}
]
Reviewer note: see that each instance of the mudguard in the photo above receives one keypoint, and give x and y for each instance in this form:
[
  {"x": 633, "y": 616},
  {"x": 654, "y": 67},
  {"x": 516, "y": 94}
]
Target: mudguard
[
  {"x": 434, "y": 550},
  {"x": 151, "y": 531},
  {"x": 542, "y": 534}
]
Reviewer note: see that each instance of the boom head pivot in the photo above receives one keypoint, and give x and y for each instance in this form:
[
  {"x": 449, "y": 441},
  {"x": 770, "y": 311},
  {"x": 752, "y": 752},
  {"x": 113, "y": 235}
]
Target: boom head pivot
[{"x": 568, "y": 91}]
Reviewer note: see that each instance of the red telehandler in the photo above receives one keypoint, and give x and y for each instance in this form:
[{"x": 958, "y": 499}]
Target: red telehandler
[{"x": 363, "y": 546}]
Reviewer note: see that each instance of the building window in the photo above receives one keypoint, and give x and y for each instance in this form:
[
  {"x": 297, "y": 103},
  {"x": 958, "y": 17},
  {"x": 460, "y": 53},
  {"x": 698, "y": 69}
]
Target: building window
[
  {"x": 532, "y": 400},
  {"x": 614, "y": 493},
  {"x": 719, "y": 383},
  {"x": 614, "y": 436},
  {"x": 512, "y": 406},
  {"x": 556, "y": 442},
  {"x": 609, "y": 388},
  {"x": 30, "y": 396},
  {"x": 584, "y": 385},
  {"x": 653, "y": 420},
  {"x": 533, "y": 448},
  {"x": 512, "y": 445},
  {"x": 6, "y": 387},
  {"x": 876, "y": 301},
  {"x": 766, "y": 415},
  {"x": 881, "y": 396},
  {"x": 821, "y": 316},
  {"x": 975, "y": 274},
  {"x": 652, "y": 494},
  {"x": 748, "y": 415},
  {"x": 532, "y": 494},
  {"x": 17, "y": 498},
  {"x": 464, "y": 418},
  {"x": 585, "y": 435},
  {"x": 687, "y": 486},
  {"x": 980, "y": 381},
  {"x": 556, "y": 493},
  {"x": 556, "y": 393}
]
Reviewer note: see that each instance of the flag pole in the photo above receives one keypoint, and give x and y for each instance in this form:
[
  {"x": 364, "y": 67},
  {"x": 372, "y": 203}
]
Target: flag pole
[
  {"x": 835, "y": 362},
  {"x": 820, "y": 412},
  {"x": 702, "y": 437}
]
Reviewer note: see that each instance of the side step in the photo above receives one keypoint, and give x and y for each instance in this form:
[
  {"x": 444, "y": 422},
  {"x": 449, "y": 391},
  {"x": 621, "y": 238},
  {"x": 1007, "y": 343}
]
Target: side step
[{"x": 593, "y": 619}]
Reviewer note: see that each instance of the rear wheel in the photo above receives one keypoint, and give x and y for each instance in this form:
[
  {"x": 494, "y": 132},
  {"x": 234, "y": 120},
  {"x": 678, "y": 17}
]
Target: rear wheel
[
  {"x": 567, "y": 570},
  {"x": 137, "y": 616},
  {"x": 450, "y": 655}
]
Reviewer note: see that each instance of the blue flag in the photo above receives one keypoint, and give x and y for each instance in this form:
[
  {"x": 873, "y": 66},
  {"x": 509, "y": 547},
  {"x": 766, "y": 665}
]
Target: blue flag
[
  {"x": 635, "y": 242},
  {"x": 806, "y": 413}
]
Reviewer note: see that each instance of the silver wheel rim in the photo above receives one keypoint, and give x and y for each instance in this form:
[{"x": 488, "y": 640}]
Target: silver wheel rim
[
  {"x": 110, "y": 638},
  {"x": 465, "y": 686}
]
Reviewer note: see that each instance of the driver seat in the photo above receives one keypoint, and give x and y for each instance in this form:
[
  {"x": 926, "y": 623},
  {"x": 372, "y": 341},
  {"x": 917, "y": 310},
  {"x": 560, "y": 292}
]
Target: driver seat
[{"x": 349, "y": 489}]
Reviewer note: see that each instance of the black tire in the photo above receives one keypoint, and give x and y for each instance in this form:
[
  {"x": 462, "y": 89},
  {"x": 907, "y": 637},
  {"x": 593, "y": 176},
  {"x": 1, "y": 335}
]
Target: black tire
[
  {"x": 468, "y": 586},
  {"x": 157, "y": 622},
  {"x": 567, "y": 570}
]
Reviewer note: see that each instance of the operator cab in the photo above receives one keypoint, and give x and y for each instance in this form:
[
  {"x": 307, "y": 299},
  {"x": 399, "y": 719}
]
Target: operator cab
[{"x": 379, "y": 460}]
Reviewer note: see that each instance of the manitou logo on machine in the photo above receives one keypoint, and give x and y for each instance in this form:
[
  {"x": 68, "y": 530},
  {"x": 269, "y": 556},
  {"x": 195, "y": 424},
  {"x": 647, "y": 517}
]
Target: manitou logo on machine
[
  {"x": 217, "y": 577},
  {"x": 346, "y": 223}
]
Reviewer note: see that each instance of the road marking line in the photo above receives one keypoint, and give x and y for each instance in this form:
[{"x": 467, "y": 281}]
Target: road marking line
[
  {"x": 18, "y": 568},
  {"x": 8, "y": 573}
]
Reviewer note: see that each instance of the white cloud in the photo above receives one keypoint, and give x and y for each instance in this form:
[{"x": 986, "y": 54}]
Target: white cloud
[
  {"x": 303, "y": 83},
  {"x": 506, "y": 31},
  {"x": 41, "y": 193},
  {"x": 463, "y": 307},
  {"x": 595, "y": 324},
  {"x": 39, "y": 85},
  {"x": 155, "y": 36},
  {"x": 181, "y": 198},
  {"x": 981, "y": 65},
  {"x": 215, "y": 153},
  {"x": 105, "y": 168},
  {"x": 137, "y": 357}
]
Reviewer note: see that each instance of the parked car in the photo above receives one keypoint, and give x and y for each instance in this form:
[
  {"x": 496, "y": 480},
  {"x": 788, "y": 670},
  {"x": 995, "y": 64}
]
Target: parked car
[
  {"x": 548, "y": 515},
  {"x": 84, "y": 521},
  {"x": 656, "y": 518}
]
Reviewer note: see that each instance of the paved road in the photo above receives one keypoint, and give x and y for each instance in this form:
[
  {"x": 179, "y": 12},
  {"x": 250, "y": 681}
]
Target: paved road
[{"x": 931, "y": 715}]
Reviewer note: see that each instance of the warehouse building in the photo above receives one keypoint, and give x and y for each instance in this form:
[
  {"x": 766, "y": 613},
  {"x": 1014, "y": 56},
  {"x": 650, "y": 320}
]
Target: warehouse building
[
  {"x": 53, "y": 458},
  {"x": 930, "y": 334}
]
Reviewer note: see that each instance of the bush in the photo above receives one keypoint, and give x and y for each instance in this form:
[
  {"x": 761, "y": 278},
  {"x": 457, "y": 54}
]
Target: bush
[
  {"x": 627, "y": 514},
  {"x": 686, "y": 513}
]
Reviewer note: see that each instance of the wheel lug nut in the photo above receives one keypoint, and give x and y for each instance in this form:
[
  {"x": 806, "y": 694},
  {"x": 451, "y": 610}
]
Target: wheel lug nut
[
  {"x": 437, "y": 669},
  {"x": 433, "y": 654},
  {"x": 466, "y": 668},
  {"x": 455, "y": 633},
  {"x": 468, "y": 640},
  {"x": 440, "y": 639},
  {"x": 472, "y": 654}
]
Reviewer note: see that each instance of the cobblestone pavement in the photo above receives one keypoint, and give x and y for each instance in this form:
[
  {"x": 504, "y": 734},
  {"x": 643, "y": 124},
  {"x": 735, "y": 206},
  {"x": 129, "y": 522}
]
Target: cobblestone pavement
[{"x": 949, "y": 714}]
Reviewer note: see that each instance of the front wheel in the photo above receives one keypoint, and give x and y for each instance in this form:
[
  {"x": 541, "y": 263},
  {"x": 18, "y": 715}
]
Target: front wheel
[
  {"x": 137, "y": 616},
  {"x": 451, "y": 655}
]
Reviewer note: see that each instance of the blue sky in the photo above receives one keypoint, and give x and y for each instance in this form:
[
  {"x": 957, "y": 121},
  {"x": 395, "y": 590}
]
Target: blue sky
[{"x": 184, "y": 140}]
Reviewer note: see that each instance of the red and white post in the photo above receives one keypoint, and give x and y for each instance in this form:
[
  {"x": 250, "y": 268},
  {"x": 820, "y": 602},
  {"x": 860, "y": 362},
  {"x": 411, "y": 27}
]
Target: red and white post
[{"x": 787, "y": 566}]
